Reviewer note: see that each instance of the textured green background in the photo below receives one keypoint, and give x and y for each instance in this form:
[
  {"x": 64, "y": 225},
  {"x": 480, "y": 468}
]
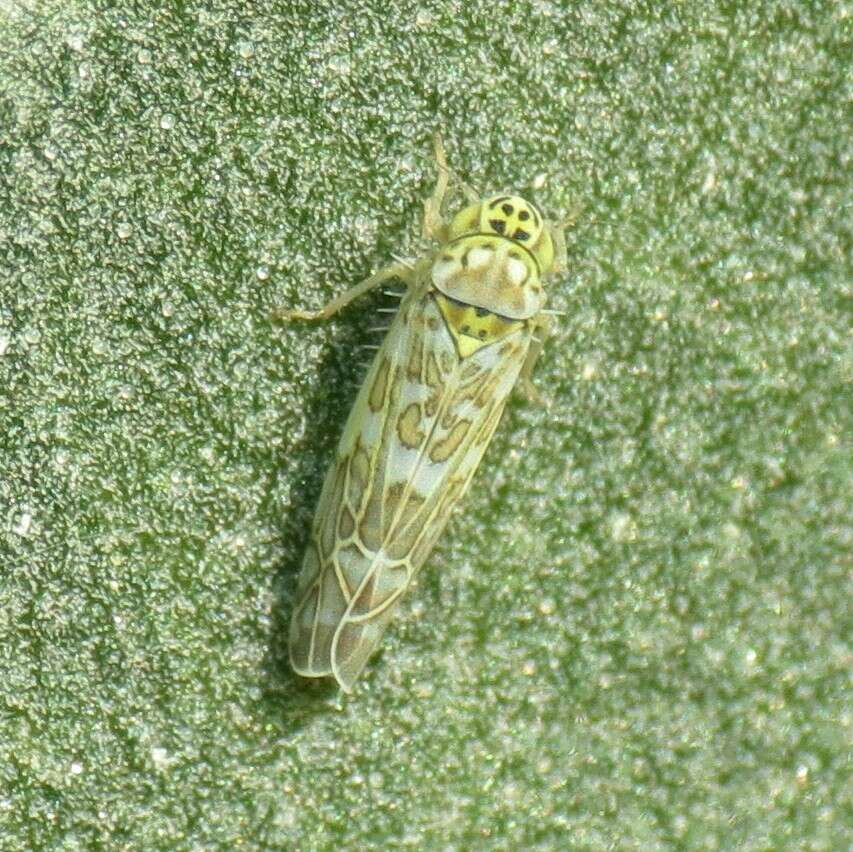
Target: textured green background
[{"x": 634, "y": 635}]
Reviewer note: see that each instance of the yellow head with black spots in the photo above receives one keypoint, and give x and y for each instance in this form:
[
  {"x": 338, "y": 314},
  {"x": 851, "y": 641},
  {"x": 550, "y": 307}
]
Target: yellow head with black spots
[{"x": 509, "y": 216}]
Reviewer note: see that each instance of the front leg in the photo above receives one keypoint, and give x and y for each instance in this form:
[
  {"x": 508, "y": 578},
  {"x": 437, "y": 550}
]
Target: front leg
[
  {"x": 434, "y": 226},
  {"x": 403, "y": 271}
]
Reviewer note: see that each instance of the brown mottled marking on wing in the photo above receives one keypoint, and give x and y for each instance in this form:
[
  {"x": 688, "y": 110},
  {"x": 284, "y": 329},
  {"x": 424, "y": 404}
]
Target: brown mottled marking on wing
[
  {"x": 434, "y": 382},
  {"x": 415, "y": 367},
  {"x": 446, "y": 421},
  {"x": 329, "y": 516},
  {"x": 469, "y": 386},
  {"x": 408, "y": 426},
  {"x": 433, "y": 374},
  {"x": 431, "y": 403},
  {"x": 469, "y": 371},
  {"x": 484, "y": 393},
  {"x": 359, "y": 471},
  {"x": 454, "y": 489},
  {"x": 442, "y": 450},
  {"x": 393, "y": 496},
  {"x": 378, "y": 392},
  {"x": 487, "y": 392},
  {"x": 489, "y": 425}
]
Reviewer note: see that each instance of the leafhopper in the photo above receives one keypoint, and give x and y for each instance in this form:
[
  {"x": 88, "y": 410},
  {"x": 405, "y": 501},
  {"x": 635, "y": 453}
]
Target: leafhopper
[{"x": 469, "y": 328}]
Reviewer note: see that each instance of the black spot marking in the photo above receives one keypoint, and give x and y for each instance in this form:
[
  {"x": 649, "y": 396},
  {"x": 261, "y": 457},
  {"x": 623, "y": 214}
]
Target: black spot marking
[
  {"x": 481, "y": 312},
  {"x": 464, "y": 259},
  {"x": 520, "y": 235},
  {"x": 497, "y": 225},
  {"x": 465, "y": 329},
  {"x": 447, "y": 258},
  {"x": 515, "y": 255},
  {"x": 507, "y": 208},
  {"x": 524, "y": 215},
  {"x": 482, "y": 334}
]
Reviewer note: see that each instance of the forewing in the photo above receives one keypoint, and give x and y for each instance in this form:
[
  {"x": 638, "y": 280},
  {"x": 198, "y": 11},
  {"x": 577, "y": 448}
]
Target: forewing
[{"x": 413, "y": 440}]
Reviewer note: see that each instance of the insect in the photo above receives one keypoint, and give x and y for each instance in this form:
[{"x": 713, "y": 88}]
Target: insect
[{"x": 470, "y": 326}]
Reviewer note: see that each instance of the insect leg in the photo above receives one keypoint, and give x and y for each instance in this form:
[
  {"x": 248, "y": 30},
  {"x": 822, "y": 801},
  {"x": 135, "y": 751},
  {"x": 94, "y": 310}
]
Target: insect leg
[
  {"x": 400, "y": 270},
  {"x": 541, "y": 332},
  {"x": 434, "y": 227},
  {"x": 561, "y": 258},
  {"x": 558, "y": 237}
]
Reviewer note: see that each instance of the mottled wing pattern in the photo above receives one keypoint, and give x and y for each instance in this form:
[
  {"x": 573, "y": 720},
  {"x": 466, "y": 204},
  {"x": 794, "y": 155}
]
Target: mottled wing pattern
[{"x": 414, "y": 438}]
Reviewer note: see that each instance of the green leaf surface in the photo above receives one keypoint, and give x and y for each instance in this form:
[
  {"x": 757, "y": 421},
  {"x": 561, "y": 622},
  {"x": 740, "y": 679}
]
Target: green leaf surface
[{"x": 636, "y": 632}]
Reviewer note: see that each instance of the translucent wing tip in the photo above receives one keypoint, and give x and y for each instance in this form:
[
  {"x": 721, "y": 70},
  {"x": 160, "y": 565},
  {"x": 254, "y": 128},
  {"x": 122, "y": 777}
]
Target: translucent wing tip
[
  {"x": 354, "y": 644},
  {"x": 309, "y": 647}
]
